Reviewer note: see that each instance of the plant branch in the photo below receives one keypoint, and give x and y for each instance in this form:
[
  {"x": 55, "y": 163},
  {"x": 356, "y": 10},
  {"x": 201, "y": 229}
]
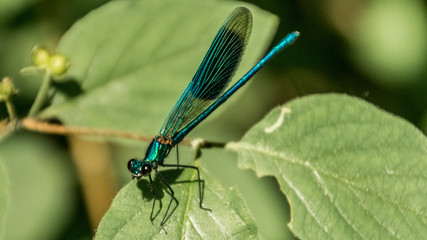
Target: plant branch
[
  {"x": 41, "y": 95},
  {"x": 34, "y": 125},
  {"x": 6, "y": 127},
  {"x": 11, "y": 111}
]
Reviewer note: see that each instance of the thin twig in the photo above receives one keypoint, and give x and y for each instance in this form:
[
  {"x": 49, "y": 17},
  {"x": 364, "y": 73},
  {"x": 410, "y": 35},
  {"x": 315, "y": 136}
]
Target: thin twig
[
  {"x": 34, "y": 125},
  {"x": 11, "y": 110},
  {"x": 41, "y": 95},
  {"x": 6, "y": 128},
  {"x": 38, "y": 126}
]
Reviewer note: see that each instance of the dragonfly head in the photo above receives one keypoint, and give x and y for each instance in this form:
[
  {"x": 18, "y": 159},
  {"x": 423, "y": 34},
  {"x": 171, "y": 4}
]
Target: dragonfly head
[{"x": 139, "y": 168}]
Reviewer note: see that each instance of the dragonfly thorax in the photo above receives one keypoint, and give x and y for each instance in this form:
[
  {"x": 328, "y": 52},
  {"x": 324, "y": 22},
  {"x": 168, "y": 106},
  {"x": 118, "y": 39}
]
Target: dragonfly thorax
[{"x": 158, "y": 150}]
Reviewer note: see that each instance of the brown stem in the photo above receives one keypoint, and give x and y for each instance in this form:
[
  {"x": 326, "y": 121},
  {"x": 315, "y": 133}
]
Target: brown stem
[{"x": 34, "y": 125}]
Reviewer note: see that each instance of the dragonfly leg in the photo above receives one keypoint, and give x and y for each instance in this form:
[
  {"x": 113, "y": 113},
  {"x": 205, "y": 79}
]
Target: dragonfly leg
[
  {"x": 166, "y": 217},
  {"x": 200, "y": 181},
  {"x": 154, "y": 200},
  {"x": 177, "y": 157}
]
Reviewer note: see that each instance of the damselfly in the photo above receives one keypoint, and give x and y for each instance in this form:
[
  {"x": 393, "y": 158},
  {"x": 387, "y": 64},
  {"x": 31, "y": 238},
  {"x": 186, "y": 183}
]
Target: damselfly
[{"x": 203, "y": 95}]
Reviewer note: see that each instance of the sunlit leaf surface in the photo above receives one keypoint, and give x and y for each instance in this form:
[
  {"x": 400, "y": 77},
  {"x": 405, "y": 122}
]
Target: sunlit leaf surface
[
  {"x": 349, "y": 170},
  {"x": 129, "y": 214}
]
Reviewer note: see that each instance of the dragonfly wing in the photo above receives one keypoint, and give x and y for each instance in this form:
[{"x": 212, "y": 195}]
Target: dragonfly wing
[{"x": 214, "y": 73}]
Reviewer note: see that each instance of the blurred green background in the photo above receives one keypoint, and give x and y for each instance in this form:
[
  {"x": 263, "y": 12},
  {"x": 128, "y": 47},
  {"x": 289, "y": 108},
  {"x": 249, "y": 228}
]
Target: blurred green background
[{"x": 375, "y": 50}]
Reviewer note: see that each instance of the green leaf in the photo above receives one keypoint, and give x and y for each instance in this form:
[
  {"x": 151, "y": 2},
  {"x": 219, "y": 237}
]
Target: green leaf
[
  {"x": 349, "y": 170},
  {"x": 4, "y": 197},
  {"x": 132, "y": 59},
  {"x": 40, "y": 196},
  {"x": 129, "y": 214}
]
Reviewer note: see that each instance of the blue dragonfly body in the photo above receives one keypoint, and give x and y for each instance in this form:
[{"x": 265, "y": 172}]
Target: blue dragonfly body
[{"x": 204, "y": 93}]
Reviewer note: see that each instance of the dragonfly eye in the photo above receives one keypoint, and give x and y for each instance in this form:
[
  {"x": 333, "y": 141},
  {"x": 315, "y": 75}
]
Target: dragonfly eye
[
  {"x": 131, "y": 164},
  {"x": 139, "y": 168},
  {"x": 135, "y": 167},
  {"x": 146, "y": 170}
]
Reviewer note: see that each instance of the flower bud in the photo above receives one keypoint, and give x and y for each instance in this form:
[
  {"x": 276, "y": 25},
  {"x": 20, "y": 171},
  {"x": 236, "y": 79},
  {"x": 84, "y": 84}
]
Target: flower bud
[
  {"x": 6, "y": 89},
  {"x": 40, "y": 57},
  {"x": 58, "y": 65}
]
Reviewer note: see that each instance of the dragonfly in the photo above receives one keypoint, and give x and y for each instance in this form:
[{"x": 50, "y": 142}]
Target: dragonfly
[{"x": 205, "y": 93}]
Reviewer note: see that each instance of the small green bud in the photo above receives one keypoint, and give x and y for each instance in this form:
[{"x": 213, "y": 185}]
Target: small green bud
[
  {"x": 40, "y": 57},
  {"x": 6, "y": 89},
  {"x": 58, "y": 65}
]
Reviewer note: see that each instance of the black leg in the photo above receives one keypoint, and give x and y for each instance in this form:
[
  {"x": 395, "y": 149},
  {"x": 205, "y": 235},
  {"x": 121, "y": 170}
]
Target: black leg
[
  {"x": 177, "y": 157},
  {"x": 154, "y": 200},
  {"x": 201, "y": 189},
  {"x": 166, "y": 217}
]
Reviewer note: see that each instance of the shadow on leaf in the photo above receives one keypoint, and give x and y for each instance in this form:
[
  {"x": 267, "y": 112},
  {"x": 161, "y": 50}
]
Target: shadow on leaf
[
  {"x": 155, "y": 192},
  {"x": 69, "y": 87}
]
